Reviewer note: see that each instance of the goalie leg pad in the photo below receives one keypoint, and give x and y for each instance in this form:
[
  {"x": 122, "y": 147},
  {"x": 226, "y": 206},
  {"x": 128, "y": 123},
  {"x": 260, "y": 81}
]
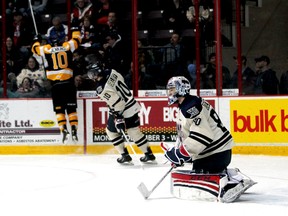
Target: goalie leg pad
[{"x": 193, "y": 186}]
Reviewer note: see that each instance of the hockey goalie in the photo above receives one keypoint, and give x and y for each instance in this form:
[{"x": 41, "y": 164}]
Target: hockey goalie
[{"x": 205, "y": 143}]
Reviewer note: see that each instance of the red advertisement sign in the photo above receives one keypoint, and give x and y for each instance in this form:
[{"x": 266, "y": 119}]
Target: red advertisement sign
[{"x": 157, "y": 120}]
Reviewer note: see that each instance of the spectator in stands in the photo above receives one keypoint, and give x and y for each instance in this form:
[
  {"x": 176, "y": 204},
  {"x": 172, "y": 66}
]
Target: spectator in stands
[
  {"x": 39, "y": 7},
  {"x": 266, "y": 82},
  {"x": 78, "y": 62},
  {"x": 145, "y": 80},
  {"x": 22, "y": 34},
  {"x": 33, "y": 72},
  {"x": 58, "y": 31},
  {"x": 174, "y": 14},
  {"x": 283, "y": 86},
  {"x": 89, "y": 40},
  {"x": 208, "y": 75},
  {"x": 248, "y": 77},
  {"x": 27, "y": 89},
  {"x": 16, "y": 6},
  {"x": 204, "y": 12},
  {"x": 12, "y": 82},
  {"x": 173, "y": 50},
  {"x": 78, "y": 81},
  {"x": 205, "y": 20},
  {"x": 173, "y": 59},
  {"x": 114, "y": 54},
  {"x": 14, "y": 58},
  {"x": 145, "y": 56},
  {"x": 82, "y": 9},
  {"x": 192, "y": 75},
  {"x": 102, "y": 9},
  {"x": 10, "y": 94},
  {"x": 111, "y": 25}
]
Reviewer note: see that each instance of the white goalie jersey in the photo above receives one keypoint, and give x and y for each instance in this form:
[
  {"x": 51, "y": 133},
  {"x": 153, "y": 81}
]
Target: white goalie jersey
[
  {"x": 200, "y": 129},
  {"x": 113, "y": 90}
]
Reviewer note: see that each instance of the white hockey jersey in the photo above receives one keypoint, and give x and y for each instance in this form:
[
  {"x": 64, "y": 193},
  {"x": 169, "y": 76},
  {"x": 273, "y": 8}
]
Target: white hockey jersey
[
  {"x": 200, "y": 129},
  {"x": 113, "y": 90}
]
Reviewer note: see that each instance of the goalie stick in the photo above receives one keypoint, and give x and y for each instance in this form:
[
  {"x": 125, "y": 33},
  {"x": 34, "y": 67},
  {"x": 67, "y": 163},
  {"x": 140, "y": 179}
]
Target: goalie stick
[{"x": 143, "y": 189}]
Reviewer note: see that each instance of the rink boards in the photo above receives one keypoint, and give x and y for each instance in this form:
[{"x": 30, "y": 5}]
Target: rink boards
[{"x": 258, "y": 125}]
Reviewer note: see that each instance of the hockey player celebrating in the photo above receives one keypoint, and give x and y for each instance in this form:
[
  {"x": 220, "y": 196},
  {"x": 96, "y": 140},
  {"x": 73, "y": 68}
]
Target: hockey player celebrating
[
  {"x": 64, "y": 96},
  {"x": 204, "y": 141},
  {"x": 123, "y": 112}
]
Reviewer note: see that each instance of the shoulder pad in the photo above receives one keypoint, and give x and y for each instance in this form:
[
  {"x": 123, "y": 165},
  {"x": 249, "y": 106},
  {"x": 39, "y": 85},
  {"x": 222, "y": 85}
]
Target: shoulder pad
[{"x": 191, "y": 106}]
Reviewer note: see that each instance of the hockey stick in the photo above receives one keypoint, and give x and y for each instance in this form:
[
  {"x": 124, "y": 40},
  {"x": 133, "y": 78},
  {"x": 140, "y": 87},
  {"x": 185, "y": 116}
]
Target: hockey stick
[
  {"x": 126, "y": 139},
  {"x": 143, "y": 189},
  {"x": 36, "y": 32},
  {"x": 33, "y": 18}
]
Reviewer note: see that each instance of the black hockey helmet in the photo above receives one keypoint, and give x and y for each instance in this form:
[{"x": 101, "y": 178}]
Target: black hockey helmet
[{"x": 94, "y": 70}]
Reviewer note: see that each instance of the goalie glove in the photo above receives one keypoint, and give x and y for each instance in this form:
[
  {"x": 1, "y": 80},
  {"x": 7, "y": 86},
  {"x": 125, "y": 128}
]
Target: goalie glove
[{"x": 177, "y": 156}]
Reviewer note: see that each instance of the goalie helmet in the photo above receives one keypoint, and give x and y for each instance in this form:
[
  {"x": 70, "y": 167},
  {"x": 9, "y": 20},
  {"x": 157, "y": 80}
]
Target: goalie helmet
[
  {"x": 182, "y": 88},
  {"x": 94, "y": 70}
]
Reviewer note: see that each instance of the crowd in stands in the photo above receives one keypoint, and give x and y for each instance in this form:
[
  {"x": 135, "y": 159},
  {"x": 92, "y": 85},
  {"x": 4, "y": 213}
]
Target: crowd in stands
[{"x": 103, "y": 34}]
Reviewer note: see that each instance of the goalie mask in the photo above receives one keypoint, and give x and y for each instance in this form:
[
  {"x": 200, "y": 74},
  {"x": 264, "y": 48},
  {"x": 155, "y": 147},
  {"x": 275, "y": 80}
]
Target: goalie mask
[
  {"x": 94, "y": 71},
  {"x": 177, "y": 87}
]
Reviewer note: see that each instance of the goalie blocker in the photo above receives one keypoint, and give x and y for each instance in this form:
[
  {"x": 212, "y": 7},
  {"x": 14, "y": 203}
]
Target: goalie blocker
[{"x": 222, "y": 187}]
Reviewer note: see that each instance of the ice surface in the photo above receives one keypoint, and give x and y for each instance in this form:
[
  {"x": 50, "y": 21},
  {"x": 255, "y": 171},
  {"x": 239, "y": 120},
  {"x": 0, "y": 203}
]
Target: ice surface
[{"x": 84, "y": 185}]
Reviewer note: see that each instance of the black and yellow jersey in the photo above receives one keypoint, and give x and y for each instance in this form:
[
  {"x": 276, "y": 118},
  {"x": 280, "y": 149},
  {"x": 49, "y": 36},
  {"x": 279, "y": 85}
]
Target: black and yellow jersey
[{"x": 59, "y": 58}]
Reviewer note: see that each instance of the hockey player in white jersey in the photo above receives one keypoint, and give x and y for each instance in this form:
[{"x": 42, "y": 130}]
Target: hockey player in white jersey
[
  {"x": 204, "y": 141},
  {"x": 123, "y": 112}
]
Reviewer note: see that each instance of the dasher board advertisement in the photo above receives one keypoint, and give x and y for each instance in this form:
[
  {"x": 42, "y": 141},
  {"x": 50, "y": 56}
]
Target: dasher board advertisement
[
  {"x": 32, "y": 122},
  {"x": 157, "y": 120}
]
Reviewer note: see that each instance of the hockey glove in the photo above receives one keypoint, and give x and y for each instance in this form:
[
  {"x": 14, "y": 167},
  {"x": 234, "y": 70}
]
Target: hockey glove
[
  {"x": 37, "y": 38},
  {"x": 75, "y": 25},
  {"x": 120, "y": 124},
  {"x": 177, "y": 156}
]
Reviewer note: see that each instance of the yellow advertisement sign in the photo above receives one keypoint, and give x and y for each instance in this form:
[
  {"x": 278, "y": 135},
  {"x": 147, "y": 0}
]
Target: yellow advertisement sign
[{"x": 259, "y": 121}]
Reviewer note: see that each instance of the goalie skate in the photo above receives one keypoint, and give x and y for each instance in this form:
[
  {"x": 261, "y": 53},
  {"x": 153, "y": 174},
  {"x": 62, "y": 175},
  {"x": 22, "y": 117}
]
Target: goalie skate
[
  {"x": 232, "y": 192},
  {"x": 248, "y": 183}
]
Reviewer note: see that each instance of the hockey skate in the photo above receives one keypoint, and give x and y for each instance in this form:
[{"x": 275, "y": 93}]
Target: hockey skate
[
  {"x": 125, "y": 158},
  {"x": 239, "y": 183},
  {"x": 66, "y": 136},
  {"x": 74, "y": 134},
  {"x": 148, "y": 157}
]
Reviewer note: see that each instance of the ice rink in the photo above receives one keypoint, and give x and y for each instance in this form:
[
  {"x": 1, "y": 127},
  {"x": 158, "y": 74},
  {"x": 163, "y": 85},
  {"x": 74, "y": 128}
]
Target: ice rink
[{"x": 68, "y": 185}]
